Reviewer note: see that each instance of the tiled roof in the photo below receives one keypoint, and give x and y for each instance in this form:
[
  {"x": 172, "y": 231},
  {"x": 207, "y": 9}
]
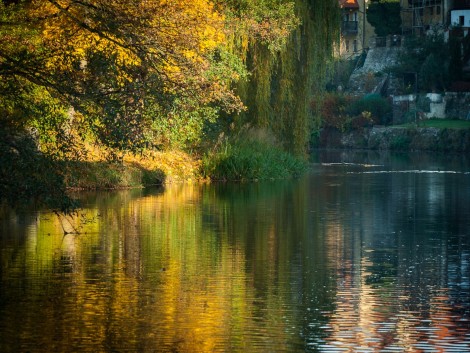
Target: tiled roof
[{"x": 349, "y": 4}]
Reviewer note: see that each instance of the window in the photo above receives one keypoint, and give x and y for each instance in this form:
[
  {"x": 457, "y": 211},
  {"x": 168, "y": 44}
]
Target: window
[
  {"x": 355, "y": 45},
  {"x": 461, "y": 20},
  {"x": 438, "y": 10},
  {"x": 347, "y": 45},
  {"x": 431, "y": 11}
]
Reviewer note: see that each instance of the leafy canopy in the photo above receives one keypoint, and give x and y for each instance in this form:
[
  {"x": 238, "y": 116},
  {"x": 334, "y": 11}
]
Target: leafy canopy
[
  {"x": 384, "y": 16},
  {"x": 430, "y": 57},
  {"x": 121, "y": 63}
]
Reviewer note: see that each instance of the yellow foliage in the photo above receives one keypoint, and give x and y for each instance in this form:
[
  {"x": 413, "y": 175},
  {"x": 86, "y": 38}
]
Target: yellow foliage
[{"x": 170, "y": 31}]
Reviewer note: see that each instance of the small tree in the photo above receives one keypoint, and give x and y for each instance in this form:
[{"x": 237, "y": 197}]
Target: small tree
[
  {"x": 430, "y": 57},
  {"x": 456, "y": 62},
  {"x": 433, "y": 73},
  {"x": 384, "y": 15}
]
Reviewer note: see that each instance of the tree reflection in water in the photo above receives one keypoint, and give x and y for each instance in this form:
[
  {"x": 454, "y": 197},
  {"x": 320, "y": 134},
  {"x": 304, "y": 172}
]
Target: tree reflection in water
[{"x": 343, "y": 259}]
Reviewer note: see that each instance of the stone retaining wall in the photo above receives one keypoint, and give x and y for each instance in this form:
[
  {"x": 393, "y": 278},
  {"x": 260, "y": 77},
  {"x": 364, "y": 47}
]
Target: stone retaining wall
[
  {"x": 451, "y": 105},
  {"x": 398, "y": 139}
]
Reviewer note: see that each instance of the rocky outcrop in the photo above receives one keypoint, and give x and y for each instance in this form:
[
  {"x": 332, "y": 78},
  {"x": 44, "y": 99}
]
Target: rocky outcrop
[
  {"x": 398, "y": 139},
  {"x": 371, "y": 78},
  {"x": 379, "y": 59}
]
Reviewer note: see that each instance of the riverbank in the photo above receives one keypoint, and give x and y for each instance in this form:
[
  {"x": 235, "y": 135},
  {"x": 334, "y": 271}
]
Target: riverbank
[
  {"x": 149, "y": 168},
  {"x": 402, "y": 138},
  {"x": 232, "y": 161},
  {"x": 163, "y": 167},
  {"x": 28, "y": 173}
]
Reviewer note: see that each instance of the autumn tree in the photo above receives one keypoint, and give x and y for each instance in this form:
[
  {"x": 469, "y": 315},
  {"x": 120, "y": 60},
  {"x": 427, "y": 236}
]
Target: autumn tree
[{"x": 119, "y": 64}]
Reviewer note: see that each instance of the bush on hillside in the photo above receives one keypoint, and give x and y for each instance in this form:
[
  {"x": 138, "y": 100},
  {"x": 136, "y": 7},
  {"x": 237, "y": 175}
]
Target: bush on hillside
[
  {"x": 345, "y": 112},
  {"x": 379, "y": 108},
  {"x": 332, "y": 108}
]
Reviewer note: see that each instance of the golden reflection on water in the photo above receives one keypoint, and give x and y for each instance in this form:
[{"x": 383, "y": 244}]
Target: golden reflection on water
[
  {"x": 144, "y": 275},
  {"x": 275, "y": 267}
]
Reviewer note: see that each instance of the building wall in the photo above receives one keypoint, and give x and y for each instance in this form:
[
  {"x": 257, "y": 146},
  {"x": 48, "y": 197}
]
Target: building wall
[
  {"x": 353, "y": 44},
  {"x": 436, "y": 12},
  {"x": 432, "y": 13},
  {"x": 456, "y": 16}
]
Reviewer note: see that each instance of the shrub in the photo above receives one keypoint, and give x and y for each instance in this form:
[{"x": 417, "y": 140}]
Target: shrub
[
  {"x": 250, "y": 157},
  {"x": 332, "y": 109},
  {"x": 435, "y": 60},
  {"x": 345, "y": 112},
  {"x": 380, "y": 109},
  {"x": 361, "y": 121}
]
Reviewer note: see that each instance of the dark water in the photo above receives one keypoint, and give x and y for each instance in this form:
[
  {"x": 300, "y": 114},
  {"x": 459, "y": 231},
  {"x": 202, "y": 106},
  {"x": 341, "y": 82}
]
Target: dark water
[{"x": 367, "y": 253}]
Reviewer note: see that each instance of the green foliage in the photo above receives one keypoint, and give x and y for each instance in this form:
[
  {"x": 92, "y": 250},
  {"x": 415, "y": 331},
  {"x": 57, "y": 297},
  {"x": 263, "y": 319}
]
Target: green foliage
[
  {"x": 183, "y": 128},
  {"x": 344, "y": 112},
  {"x": 341, "y": 71},
  {"x": 250, "y": 158},
  {"x": 109, "y": 175},
  {"x": 116, "y": 65},
  {"x": 269, "y": 22},
  {"x": 281, "y": 86},
  {"x": 153, "y": 177},
  {"x": 108, "y": 73},
  {"x": 333, "y": 109},
  {"x": 432, "y": 72},
  {"x": 384, "y": 16},
  {"x": 466, "y": 47},
  {"x": 379, "y": 108},
  {"x": 456, "y": 63},
  {"x": 436, "y": 61},
  {"x": 136, "y": 85},
  {"x": 400, "y": 143},
  {"x": 33, "y": 140},
  {"x": 26, "y": 173}
]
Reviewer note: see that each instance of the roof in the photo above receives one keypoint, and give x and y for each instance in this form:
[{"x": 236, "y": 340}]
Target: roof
[{"x": 348, "y": 4}]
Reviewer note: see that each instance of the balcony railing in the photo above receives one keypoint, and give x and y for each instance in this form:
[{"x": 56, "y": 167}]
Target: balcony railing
[{"x": 349, "y": 27}]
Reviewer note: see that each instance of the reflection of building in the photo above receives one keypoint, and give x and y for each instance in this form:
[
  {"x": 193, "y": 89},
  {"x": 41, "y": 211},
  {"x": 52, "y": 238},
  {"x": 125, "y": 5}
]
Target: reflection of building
[{"x": 355, "y": 30}]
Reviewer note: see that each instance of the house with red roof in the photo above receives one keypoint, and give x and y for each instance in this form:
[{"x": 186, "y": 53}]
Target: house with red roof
[{"x": 355, "y": 30}]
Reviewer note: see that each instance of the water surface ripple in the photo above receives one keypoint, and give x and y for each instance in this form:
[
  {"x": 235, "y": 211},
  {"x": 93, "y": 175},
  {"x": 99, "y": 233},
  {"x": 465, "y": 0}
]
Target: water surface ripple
[{"x": 367, "y": 253}]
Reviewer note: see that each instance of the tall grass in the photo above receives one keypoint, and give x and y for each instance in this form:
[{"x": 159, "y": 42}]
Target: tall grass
[{"x": 251, "y": 158}]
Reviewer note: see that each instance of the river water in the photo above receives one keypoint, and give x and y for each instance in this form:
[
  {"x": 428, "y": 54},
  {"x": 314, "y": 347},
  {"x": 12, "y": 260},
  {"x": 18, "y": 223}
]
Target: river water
[{"x": 368, "y": 252}]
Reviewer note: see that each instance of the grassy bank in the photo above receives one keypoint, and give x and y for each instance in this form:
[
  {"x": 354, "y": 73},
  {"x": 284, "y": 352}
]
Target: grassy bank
[
  {"x": 441, "y": 124},
  {"x": 147, "y": 168},
  {"x": 234, "y": 161},
  {"x": 27, "y": 173}
]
